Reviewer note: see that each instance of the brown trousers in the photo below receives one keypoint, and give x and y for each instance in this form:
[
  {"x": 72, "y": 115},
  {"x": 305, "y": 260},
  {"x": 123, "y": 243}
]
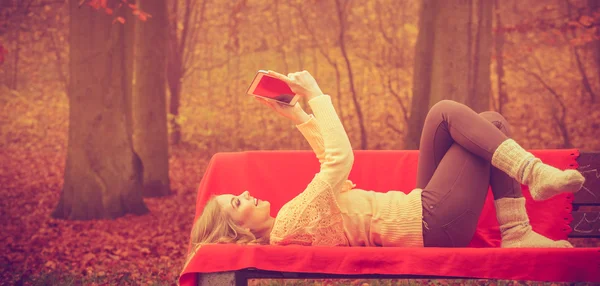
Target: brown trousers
[{"x": 454, "y": 171}]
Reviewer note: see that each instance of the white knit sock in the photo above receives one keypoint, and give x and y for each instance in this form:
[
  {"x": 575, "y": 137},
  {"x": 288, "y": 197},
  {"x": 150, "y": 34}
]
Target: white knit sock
[
  {"x": 515, "y": 228},
  {"x": 544, "y": 181}
]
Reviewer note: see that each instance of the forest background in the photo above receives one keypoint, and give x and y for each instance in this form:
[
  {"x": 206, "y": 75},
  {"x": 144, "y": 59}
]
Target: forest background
[{"x": 384, "y": 62}]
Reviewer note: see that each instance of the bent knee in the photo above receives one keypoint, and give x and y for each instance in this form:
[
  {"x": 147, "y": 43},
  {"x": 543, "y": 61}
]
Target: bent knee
[
  {"x": 498, "y": 120},
  {"x": 442, "y": 107},
  {"x": 445, "y": 104}
]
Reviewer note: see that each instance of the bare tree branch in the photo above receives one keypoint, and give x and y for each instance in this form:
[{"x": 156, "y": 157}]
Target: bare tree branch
[
  {"x": 312, "y": 35},
  {"x": 198, "y": 24},
  {"x": 188, "y": 49},
  {"x": 584, "y": 77},
  {"x": 559, "y": 120},
  {"x": 280, "y": 35},
  {"x": 549, "y": 88},
  {"x": 390, "y": 40},
  {"x": 366, "y": 58},
  {"x": 386, "y": 37},
  {"x": 390, "y": 124},
  {"x": 186, "y": 26},
  {"x": 200, "y": 67},
  {"x": 327, "y": 57},
  {"x": 59, "y": 61},
  {"x": 398, "y": 99},
  {"x": 342, "y": 34}
]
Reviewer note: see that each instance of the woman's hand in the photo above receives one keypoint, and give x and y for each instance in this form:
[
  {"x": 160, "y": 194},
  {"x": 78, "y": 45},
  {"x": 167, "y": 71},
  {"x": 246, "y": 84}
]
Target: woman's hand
[
  {"x": 302, "y": 83},
  {"x": 294, "y": 113}
]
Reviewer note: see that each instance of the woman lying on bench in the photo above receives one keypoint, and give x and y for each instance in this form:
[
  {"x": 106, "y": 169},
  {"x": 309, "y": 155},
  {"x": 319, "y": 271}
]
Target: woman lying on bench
[{"x": 461, "y": 154}]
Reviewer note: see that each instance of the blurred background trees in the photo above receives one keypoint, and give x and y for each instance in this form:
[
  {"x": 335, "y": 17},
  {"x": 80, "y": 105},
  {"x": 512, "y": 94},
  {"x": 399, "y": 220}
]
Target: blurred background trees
[{"x": 385, "y": 62}]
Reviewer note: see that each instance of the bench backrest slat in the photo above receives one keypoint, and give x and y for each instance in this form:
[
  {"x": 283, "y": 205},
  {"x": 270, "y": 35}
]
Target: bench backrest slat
[{"x": 586, "y": 202}]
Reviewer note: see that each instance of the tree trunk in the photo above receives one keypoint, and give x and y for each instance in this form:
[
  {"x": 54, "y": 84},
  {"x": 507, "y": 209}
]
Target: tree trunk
[
  {"x": 480, "y": 92},
  {"x": 15, "y": 78},
  {"x": 130, "y": 28},
  {"x": 103, "y": 176},
  {"x": 281, "y": 38},
  {"x": 59, "y": 61},
  {"x": 594, "y": 6},
  {"x": 469, "y": 42},
  {"x": 150, "y": 133},
  {"x": 422, "y": 73},
  {"x": 174, "y": 79},
  {"x": 449, "y": 63},
  {"x": 450, "y": 68},
  {"x": 499, "y": 48},
  {"x": 175, "y": 68},
  {"x": 580, "y": 65},
  {"x": 359, "y": 115}
]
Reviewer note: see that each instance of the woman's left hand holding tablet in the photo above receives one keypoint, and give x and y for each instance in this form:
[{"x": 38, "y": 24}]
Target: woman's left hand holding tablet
[
  {"x": 301, "y": 83},
  {"x": 294, "y": 113}
]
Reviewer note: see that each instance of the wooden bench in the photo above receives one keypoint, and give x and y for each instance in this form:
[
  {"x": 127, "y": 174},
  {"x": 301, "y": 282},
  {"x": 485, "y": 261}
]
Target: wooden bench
[{"x": 585, "y": 224}]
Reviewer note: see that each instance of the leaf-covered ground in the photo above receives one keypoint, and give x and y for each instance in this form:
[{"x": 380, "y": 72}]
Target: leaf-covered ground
[{"x": 146, "y": 249}]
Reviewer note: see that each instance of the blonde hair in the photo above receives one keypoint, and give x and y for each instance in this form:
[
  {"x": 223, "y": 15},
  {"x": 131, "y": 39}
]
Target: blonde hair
[{"x": 215, "y": 226}]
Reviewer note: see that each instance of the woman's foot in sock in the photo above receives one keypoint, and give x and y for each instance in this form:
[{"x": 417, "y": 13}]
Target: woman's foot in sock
[
  {"x": 522, "y": 236},
  {"x": 545, "y": 181},
  {"x": 515, "y": 228}
]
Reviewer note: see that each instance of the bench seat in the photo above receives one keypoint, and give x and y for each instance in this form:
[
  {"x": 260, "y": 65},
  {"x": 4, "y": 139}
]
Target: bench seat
[{"x": 278, "y": 176}]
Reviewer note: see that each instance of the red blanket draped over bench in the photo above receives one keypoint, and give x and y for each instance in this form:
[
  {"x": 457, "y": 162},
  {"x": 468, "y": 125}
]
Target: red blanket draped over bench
[{"x": 278, "y": 176}]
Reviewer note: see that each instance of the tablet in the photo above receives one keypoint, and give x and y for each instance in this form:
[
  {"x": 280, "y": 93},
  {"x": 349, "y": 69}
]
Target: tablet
[{"x": 272, "y": 89}]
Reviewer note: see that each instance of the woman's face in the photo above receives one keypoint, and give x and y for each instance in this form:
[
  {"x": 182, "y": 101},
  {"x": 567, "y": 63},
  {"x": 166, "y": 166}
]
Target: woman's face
[{"x": 246, "y": 211}]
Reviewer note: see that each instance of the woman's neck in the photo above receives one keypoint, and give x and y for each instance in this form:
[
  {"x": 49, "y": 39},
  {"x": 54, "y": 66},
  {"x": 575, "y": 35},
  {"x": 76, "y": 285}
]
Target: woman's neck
[{"x": 266, "y": 230}]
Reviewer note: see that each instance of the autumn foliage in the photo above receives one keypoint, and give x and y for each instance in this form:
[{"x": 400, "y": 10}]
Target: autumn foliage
[
  {"x": 103, "y": 5},
  {"x": 548, "y": 88}
]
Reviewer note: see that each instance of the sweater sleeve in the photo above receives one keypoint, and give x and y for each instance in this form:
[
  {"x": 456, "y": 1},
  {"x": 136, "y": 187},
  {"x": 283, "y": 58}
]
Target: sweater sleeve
[
  {"x": 313, "y": 217},
  {"x": 339, "y": 157},
  {"x": 312, "y": 133}
]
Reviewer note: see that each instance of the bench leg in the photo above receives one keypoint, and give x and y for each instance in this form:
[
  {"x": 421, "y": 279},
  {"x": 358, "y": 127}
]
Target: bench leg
[{"x": 220, "y": 278}]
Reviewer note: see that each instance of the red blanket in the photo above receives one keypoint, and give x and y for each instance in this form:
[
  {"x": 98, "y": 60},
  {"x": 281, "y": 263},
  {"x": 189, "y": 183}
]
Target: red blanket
[{"x": 278, "y": 176}]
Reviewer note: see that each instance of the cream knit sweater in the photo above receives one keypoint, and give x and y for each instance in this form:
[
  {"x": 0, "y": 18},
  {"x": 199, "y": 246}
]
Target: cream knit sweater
[{"x": 329, "y": 212}]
